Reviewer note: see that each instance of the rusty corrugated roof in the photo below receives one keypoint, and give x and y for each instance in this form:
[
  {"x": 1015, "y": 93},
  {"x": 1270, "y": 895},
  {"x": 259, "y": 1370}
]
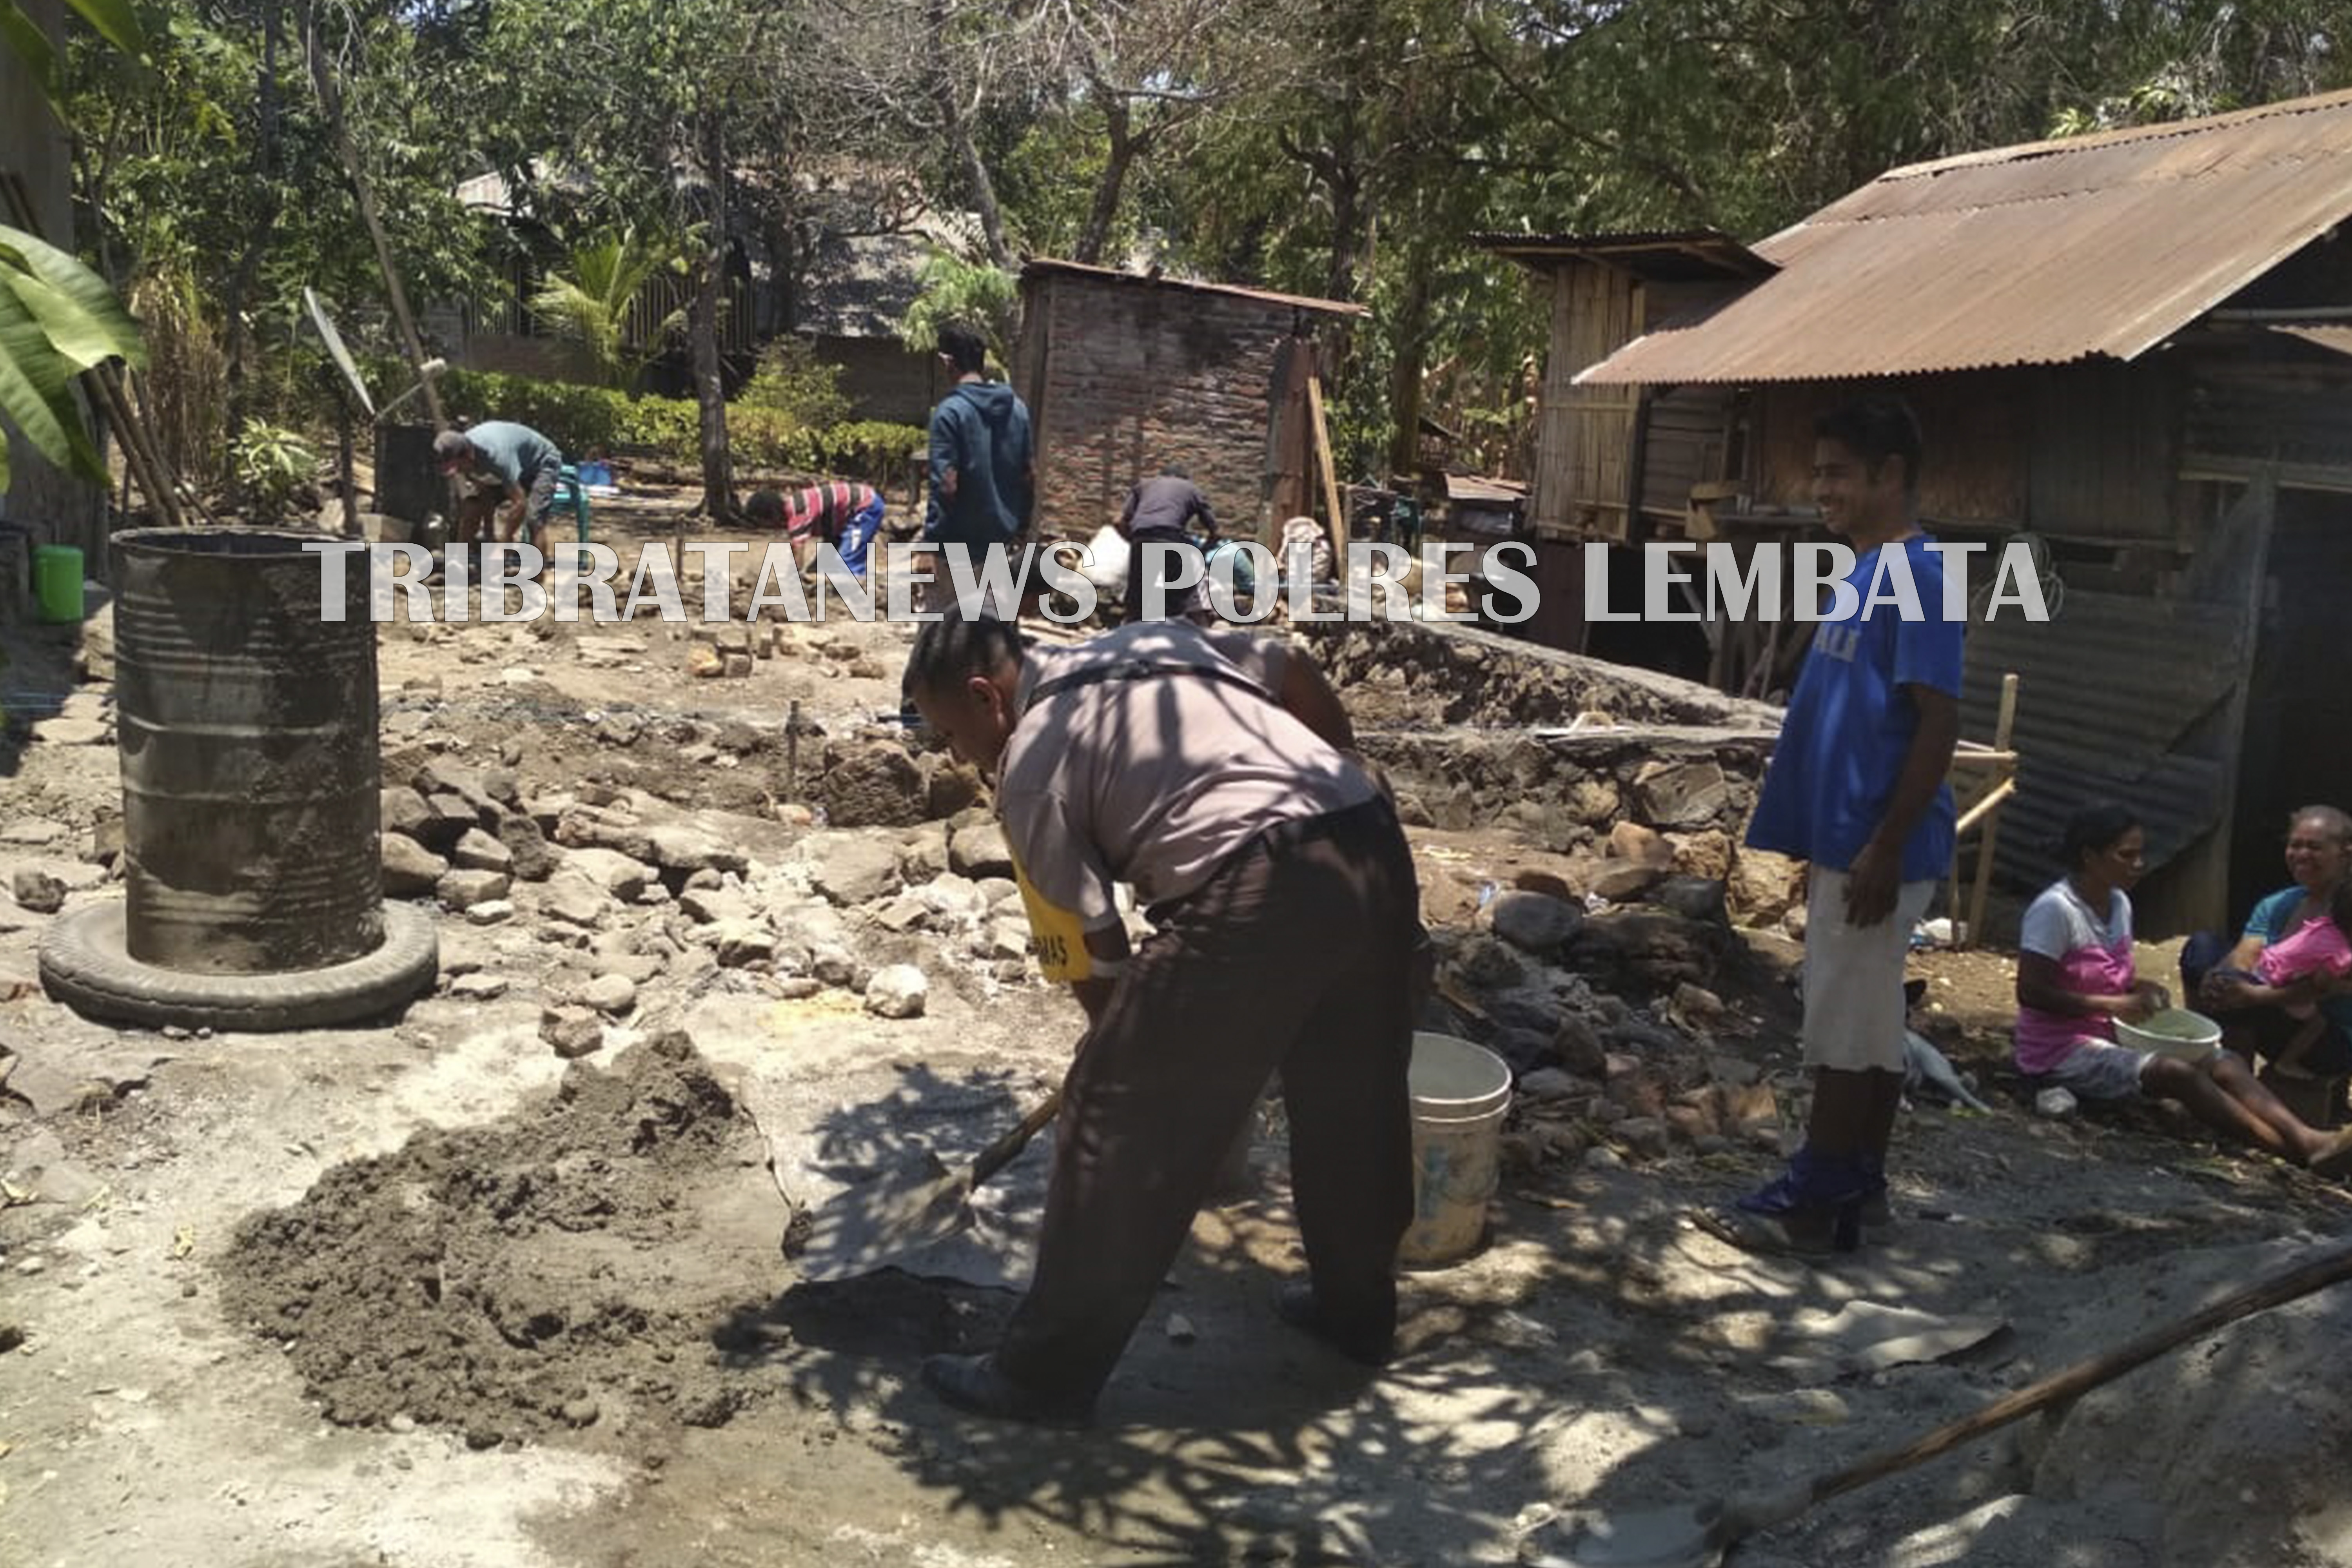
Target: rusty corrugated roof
[
  {"x": 2040, "y": 254},
  {"x": 1151, "y": 280}
]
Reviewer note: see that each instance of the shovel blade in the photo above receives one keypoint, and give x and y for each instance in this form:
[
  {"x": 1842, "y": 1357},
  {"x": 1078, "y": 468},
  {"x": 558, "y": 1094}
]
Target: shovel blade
[{"x": 869, "y": 1227}]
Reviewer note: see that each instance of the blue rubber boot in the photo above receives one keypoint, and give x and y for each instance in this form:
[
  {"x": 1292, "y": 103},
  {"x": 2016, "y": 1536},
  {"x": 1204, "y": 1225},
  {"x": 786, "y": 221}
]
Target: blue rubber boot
[{"x": 1813, "y": 1209}]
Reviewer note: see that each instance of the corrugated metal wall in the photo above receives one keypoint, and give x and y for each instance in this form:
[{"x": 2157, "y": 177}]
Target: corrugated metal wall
[{"x": 2114, "y": 697}]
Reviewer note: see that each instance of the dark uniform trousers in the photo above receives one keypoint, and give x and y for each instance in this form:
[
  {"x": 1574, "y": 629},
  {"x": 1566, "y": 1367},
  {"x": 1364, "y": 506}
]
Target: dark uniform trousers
[{"x": 1295, "y": 956}]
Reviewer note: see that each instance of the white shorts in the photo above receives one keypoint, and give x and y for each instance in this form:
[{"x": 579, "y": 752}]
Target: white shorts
[
  {"x": 2100, "y": 1069},
  {"x": 1853, "y": 976}
]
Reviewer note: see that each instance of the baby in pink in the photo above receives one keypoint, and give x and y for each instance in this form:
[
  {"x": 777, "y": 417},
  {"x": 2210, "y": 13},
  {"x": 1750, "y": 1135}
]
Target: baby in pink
[{"x": 2317, "y": 946}]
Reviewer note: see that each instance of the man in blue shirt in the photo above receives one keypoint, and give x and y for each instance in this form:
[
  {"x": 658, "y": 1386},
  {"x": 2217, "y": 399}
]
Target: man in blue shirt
[
  {"x": 1857, "y": 788},
  {"x": 984, "y": 468}
]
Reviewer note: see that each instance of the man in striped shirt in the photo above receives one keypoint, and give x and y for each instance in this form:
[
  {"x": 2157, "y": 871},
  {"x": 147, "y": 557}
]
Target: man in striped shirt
[{"x": 837, "y": 512}]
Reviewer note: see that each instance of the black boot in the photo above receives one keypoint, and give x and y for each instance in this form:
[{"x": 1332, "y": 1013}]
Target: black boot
[
  {"x": 973, "y": 1382},
  {"x": 1371, "y": 1341}
]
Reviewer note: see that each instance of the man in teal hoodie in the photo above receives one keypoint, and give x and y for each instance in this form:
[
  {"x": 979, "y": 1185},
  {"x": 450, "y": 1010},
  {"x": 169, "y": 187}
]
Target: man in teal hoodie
[{"x": 984, "y": 477}]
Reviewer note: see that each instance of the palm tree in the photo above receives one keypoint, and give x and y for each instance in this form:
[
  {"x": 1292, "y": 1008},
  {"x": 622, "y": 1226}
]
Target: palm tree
[{"x": 591, "y": 306}]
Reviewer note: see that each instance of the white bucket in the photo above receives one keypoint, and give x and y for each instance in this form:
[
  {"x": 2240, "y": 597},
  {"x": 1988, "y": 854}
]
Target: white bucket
[{"x": 1460, "y": 1093}]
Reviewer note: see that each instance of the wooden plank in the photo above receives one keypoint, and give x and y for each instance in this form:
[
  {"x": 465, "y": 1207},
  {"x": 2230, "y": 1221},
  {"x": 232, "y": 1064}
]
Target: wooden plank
[{"x": 1337, "y": 525}]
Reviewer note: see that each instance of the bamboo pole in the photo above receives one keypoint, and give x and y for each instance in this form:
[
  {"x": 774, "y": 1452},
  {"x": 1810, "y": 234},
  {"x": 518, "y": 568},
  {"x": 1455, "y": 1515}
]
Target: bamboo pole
[
  {"x": 1322, "y": 432},
  {"x": 331, "y": 101},
  {"x": 2001, "y": 730}
]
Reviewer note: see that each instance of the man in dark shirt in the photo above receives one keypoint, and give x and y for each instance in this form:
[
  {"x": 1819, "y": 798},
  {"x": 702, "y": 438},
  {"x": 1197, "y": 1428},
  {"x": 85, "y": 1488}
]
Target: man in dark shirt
[{"x": 1157, "y": 514}]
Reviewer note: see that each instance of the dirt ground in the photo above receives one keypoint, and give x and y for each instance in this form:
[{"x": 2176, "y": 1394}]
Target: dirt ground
[{"x": 426, "y": 1294}]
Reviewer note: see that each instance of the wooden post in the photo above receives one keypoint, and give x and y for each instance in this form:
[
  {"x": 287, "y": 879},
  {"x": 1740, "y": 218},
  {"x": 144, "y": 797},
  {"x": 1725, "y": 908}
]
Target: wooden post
[
  {"x": 1322, "y": 432},
  {"x": 1991, "y": 840},
  {"x": 343, "y": 471}
]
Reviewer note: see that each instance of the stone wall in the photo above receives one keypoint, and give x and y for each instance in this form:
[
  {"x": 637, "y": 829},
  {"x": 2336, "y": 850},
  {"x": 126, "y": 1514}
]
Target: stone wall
[
  {"x": 1636, "y": 775},
  {"x": 1125, "y": 377}
]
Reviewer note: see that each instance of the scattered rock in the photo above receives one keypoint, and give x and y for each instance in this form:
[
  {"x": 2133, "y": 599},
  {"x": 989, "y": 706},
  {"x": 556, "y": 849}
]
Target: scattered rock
[
  {"x": 1693, "y": 898},
  {"x": 705, "y": 662},
  {"x": 855, "y": 870},
  {"x": 1537, "y": 922},
  {"x": 952, "y": 786},
  {"x": 447, "y": 818},
  {"x": 1181, "y": 1331},
  {"x": 71, "y": 731},
  {"x": 34, "y": 831},
  {"x": 574, "y": 899},
  {"x": 872, "y": 783},
  {"x": 464, "y": 890},
  {"x": 1549, "y": 1083},
  {"x": 1648, "y": 949},
  {"x": 1622, "y": 882},
  {"x": 528, "y": 853},
  {"x": 740, "y": 942},
  {"x": 36, "y": 890},
  {"x": 1642, "y": 846},
  {"x": 410, "y": 869},
  {"x": 479, "y": 988},
  {"x": 1696, "y": 1007},
  {"x": 573, "y": 1031},
  {"x": 490, "y": 912},
  {"x": 622, "y": 876},
  {"x": 612, "y": 994},
  {"x": 1006, "y": 938},
  {"x": 404, "y": 811},
  {"x": 923, "y": 855},
  {"x": 896, "y": 991},
  {"x": 978, "y": 851},
  {"x": 1577, "y": 1044},
  {"x": 1708, "y": 855},
  {"x": 1594, "y": 802},
  {"x": 478, "y": 851},
  {"x": 1681, "y": 794},
  {"x": 903, "y": 914},
  {"x": 1763, "y": 886},
  {"x": 688, "y": 848}
]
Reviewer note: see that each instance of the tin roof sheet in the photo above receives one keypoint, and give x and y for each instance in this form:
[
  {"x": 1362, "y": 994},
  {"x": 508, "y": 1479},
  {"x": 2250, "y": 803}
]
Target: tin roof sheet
[
  {"x": 2041, "y": 254},
  {"x": 1678, "y": 254},
  {"x": 1042, "y": 265}
]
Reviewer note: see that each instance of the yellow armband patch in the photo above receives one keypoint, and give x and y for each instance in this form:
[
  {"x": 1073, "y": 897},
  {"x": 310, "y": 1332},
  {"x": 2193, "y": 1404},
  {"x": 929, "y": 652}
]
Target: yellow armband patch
[{"x": 1060, "y": 935}]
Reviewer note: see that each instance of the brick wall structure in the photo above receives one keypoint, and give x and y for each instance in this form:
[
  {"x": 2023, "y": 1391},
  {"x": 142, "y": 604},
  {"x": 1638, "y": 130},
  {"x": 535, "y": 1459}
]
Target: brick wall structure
[{"x": 1125, "y": 374}]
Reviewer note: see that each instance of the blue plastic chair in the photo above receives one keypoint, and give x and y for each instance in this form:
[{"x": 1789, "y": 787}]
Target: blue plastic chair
[{"x": 570, "y": 492}]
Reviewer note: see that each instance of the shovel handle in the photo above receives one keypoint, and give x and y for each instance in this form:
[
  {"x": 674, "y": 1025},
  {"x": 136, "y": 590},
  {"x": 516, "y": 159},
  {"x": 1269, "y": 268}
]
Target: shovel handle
[
  {"x": 2085, "y": 1375},
  {"x": 1000, "y": 1153}
]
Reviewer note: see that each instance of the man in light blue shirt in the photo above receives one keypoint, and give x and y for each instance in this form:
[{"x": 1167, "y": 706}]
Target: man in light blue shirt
[{"x": 521, "y": 463}]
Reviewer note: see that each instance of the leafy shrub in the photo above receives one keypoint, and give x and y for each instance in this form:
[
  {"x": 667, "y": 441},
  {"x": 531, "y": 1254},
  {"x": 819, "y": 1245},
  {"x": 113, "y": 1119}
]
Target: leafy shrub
[
  {"x": 272, "y": 463},
  {"x": 792, "y": 382},
  {"x": 760, "y": 435}
]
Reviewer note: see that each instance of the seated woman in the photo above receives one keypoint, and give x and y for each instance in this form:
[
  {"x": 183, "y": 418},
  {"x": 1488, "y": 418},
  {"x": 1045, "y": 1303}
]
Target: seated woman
[
  {"x": 2075, "y": 977},
  {"x": 2261, "y": 1019}
]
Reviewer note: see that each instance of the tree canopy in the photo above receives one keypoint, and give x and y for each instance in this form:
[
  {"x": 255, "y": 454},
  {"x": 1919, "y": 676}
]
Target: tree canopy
[{"x": 1346, "y": 148}]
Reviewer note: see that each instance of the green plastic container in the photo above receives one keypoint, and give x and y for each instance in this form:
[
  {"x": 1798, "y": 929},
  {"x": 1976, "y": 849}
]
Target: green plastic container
[{"x": 57, "y": 583}]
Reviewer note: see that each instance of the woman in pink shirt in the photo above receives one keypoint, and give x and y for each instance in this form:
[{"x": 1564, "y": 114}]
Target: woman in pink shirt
[{"x": 2075, "y": 977}]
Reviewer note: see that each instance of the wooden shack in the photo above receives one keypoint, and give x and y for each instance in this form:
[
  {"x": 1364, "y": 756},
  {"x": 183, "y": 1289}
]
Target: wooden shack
[
  {"x": 1126, "y": 373},
  {"x": 2134, "y": 348}
]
